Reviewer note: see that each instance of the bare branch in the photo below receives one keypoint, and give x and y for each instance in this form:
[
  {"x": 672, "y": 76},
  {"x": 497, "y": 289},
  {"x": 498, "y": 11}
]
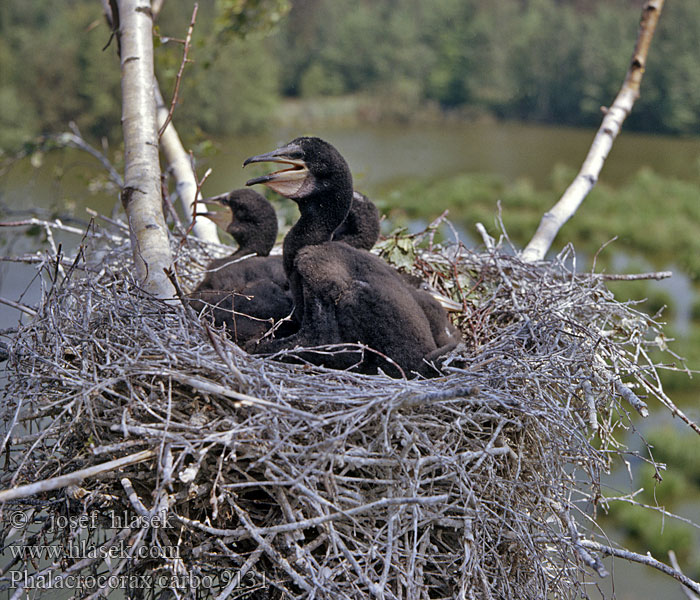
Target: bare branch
[
  {"x": 677, "y": 567},
  {"x": 178, "y": 79},
  {"x": 76, "y": 140},
  {"x": 55, "y": 483},
  {"x": 639, "y": 405},
  {"x": 643, "y": 560},
  {"x": 636, "y": 276},
  {"x": 575, "y": 194},
  {"x": 17, "y": 305}
]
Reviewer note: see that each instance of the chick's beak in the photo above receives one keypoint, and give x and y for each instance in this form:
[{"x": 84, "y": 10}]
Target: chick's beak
[
  {"x": 287, "y": 182},
  {"x": 221, "y": 217}
]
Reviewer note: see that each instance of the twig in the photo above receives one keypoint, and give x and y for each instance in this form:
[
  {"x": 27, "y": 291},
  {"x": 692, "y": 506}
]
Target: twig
[
  {"x": 183, "y": 172},
  {"x": 55, "y": 483},
  {"x": 677, "y": 567},
  {"x": 316, "y": 521},
  {"x": 178, "y": 78},
  {"x": 20, "y": 307},
  {"x": 133, "y": 498},
  {"x": 575, "y": 194},
  {"x": 76, "y": 140},
  {"x": 269, "y": 550},
  {"x": 636, "y": 276},
  {"x": 242, "y": 572},
  {"x": 214, "y": 388},
  {"x": 590, "y": 403},
  {"x": 42, "y": 223},
  {"x": 180, "y": 294},
  {"x": 488, "y": 240},
  {"x": 639, "y": 405},
  {"x": 644, "y": 560},
  {"x": 223, "y": 355}
]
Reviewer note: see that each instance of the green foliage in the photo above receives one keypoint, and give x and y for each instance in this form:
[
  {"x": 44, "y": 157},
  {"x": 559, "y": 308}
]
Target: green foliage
[
  {"x": 53, "y": 69},
  {"x": 528, "y": 59},
  {"x": 399, "y": 250},
  {"x": 536, "y": 59},
  {"x": 240, "y": 18},
  {"x": 651, "y": 215},
  {"x": 235, "y": 94}
]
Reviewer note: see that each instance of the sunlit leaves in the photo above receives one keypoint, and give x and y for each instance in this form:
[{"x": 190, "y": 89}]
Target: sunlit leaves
[{"x": 239, "y": 18}]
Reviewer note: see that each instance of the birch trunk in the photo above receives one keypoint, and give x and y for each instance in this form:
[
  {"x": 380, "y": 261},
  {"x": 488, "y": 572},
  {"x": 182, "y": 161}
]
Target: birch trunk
[
  {"x": 141, "y": 195},
  {"x": 179, "y": 162}
]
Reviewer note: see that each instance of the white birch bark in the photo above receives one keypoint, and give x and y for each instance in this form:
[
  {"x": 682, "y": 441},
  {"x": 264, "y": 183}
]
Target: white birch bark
[
  {"x": 179, "y": 162},
  {"x": 141, "y": 195},
  {"x": 553, "y": 220}
]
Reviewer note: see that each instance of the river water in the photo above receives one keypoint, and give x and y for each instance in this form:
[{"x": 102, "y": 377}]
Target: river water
[{"x": 378, "y": 156}]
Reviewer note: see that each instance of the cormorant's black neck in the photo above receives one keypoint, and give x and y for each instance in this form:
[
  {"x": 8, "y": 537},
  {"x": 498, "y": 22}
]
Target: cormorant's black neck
[
  {"x": 252, "y": 245},
  {"x": 361, "y": 227},
  {"x": 254, "y": 237},
  {"x": 321, "y": 213}
]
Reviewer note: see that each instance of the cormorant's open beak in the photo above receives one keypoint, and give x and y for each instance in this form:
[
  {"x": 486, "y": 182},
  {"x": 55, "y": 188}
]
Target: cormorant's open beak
[
  {"x": 222, "y": 218},
  {"x": 447, "y": 303},
  {"x": 287, "y": 182}
]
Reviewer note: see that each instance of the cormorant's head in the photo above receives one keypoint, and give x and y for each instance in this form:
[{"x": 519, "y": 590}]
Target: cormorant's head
[
  {"x": 313, "y": 167},
  {"x": 251, "y": 219},
  {"x": 361, "y": 227}
]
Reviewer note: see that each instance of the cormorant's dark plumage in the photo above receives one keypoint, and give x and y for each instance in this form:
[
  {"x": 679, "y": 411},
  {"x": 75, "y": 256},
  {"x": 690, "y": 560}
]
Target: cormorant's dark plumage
[
  {"x": 246, "y": 294},
  {"x": 360, "y": 228},
  {"x": 346, "y": 295}
]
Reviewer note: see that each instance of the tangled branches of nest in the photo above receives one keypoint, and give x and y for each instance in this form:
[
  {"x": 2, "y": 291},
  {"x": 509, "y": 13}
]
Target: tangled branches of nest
[{"x": 242, "y": 474}]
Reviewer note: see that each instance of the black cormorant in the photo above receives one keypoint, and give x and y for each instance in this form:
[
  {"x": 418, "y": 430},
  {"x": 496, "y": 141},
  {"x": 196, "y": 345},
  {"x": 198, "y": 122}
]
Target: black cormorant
[
  {"x": 245, "y": 293},
  {"x": 249, "y": 295},
  {"x": 361, "y": 227},
  {"x": 346, "y": 295}
]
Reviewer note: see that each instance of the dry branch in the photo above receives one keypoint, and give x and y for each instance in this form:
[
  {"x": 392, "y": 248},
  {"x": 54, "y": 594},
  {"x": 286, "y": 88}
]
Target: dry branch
[
  {"x": 568, "y": 204},
  {"x": 54, "y": 483},
  {"x": 181, "y": 70},
  {"x": 647, "y": 560},
  {"x": 677, "y": 567}
]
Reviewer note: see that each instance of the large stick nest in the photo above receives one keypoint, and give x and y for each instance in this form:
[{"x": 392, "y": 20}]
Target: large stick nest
[{"x": 312, "y": 483}]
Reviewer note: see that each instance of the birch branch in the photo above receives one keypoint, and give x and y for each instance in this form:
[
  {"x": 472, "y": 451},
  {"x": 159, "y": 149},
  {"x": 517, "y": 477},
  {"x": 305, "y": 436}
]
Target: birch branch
[
  {"x": 179, "y": 163},
  {"x": 553, "y": 220},
  {"x": 141, "y": 195}
]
